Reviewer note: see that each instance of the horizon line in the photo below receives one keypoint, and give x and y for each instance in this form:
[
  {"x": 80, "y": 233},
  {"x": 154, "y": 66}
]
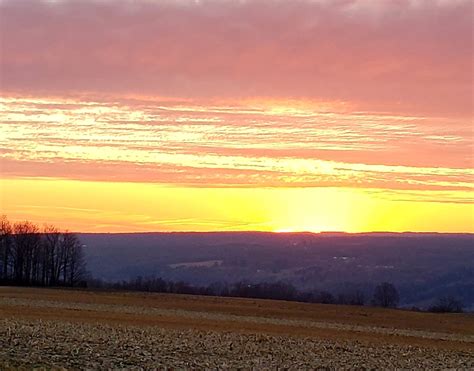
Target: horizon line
[{"x": 282, "y": 232}]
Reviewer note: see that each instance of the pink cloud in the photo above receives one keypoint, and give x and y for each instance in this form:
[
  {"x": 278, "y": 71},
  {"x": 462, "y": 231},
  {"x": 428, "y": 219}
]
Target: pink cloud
[
  {"x": 232, "y": 146},
  {"x": 410, "y": 56}
]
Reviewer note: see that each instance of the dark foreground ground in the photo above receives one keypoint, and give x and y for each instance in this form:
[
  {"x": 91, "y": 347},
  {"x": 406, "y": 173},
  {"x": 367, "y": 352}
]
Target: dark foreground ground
[{"x": 84, "y": 329}]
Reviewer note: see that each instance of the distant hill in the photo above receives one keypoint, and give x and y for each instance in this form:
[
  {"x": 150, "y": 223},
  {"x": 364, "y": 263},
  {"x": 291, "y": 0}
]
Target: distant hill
[{"x": 423, "y": 266}]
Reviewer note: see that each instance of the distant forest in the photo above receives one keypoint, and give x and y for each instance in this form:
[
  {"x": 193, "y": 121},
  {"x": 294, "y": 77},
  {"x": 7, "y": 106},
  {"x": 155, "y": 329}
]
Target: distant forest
[
  {"x": 48, "y": 257},
  {"x": 30, "y": 255}
]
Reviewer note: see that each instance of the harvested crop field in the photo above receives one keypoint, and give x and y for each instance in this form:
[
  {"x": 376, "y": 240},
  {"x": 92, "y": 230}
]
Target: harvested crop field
[{"x": 86, "y": 329}]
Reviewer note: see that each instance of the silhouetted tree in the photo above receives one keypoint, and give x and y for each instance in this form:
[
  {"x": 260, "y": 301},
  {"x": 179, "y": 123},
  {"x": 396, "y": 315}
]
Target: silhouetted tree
[
  {"x": 386, "y": 295},
  {"x": 51, "y": 255},
  {"x": 73, "y": 263},
  {"x": 29, "y": 256},
  {"x": 325, "y": 297},
  {"x": 447, "y": 304},
  {"x": 5, "y": 247},
  {"x": 26, "y": 238},
  {"x": 219, "y": 288},
  {"x": 316, "y": 296},
  {"x": 356, "y": 297}
]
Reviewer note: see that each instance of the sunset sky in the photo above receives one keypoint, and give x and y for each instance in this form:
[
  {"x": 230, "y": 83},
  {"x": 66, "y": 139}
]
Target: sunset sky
[{"x": 289, "y": 115}]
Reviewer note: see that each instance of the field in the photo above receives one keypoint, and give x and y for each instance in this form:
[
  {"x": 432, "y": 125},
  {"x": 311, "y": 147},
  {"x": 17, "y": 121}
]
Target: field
[{"x": 88, "y": 329}]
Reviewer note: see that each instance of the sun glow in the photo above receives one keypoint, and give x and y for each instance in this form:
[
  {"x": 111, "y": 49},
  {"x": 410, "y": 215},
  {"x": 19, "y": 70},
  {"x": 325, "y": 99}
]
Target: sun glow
[{"x": 120, "y": 207}]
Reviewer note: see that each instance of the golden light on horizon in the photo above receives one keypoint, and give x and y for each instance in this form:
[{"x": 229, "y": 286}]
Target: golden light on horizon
[
  {"x": 225, "y": 168},
  {"x": 138, "y": 207}
]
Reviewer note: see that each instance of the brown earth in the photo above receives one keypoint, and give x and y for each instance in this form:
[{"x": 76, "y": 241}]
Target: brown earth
[{"x": 92, "y": 329}]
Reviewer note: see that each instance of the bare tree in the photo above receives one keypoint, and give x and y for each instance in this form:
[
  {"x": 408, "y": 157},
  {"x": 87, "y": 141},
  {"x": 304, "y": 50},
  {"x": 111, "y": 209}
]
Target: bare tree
[
  {"x": 26, "y": 240},
  {"x": 51, "y": 254},
  {"x": 386, "y": 295},
  {"x": 29, "y": 256},
  {"x": 355, "y": 297},
  {"x": 447, "y": 304},
  {"x": 73, "y": 264},
  {"x": 5, "y": 247}
]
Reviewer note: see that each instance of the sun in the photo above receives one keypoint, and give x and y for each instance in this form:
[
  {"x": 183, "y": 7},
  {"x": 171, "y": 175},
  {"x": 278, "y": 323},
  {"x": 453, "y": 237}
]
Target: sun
[
  {"x": 284, "y": 230},
  {"x": 297, "y": 230}
]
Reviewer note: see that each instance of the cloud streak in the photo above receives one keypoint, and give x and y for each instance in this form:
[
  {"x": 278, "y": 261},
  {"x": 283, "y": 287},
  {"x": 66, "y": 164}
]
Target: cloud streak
[{"x": 209, "y": 145}]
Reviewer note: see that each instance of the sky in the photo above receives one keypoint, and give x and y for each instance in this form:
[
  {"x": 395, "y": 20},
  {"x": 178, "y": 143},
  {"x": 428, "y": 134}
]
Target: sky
[{"x": 210, "y": 115}]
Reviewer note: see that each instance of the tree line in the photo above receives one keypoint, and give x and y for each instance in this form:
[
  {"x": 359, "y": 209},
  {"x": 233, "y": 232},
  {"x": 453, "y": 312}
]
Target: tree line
[
  {"x": 385, "y": 294},
  {"x": 34, "y": 256}
]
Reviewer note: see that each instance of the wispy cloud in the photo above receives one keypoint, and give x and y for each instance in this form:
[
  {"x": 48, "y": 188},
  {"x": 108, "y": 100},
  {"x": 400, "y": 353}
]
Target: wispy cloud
[{"x": 205, "y": 144}]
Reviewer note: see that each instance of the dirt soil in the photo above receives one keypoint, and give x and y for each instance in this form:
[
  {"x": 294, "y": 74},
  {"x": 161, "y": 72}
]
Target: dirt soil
[{"x": 74, "y": 329}]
